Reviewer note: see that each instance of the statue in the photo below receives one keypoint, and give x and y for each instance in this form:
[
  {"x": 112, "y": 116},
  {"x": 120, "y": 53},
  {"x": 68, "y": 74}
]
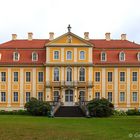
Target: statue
[{"x": 69, "y": 28}]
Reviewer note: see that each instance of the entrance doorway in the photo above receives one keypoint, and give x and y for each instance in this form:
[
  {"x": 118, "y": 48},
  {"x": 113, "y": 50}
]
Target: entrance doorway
[{"x": 69, "y": 98}]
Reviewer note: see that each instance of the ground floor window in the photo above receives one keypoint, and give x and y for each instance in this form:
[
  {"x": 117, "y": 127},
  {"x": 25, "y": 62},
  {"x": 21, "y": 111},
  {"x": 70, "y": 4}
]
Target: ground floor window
[
  {"x": 135, "y": 97},
  {"x": 122, "y": 96},
  {"x": 110, "y": 96},
  {"x": 27, "y": 96},
  {"x": 40, "y": 96},
  {"x": 82, "y": 95},
  {"x": 56, "y": 96},
  {"x": 3, "y": 96},
  {"x": 15, "y": 96},
  {"x": 97, "y": 95}
]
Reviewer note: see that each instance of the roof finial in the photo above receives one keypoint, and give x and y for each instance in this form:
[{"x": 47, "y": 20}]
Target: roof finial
[{"x": 69, "y": 28}]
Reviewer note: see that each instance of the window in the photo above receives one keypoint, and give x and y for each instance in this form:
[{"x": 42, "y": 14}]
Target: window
[
  {"x": 122, "y": 56},
  {"x": 82, "y": 95},
  {"x": 122, "y": 76},
  {"x": 3, "y": 97},
  {"x": 56, "y": 96},
  {"x": 3, "y": 76},
  {"x": 82, "y": 55},
  {"x": 40, "y": 77},
  {"x": 135, "y": 98},
  {"x": 15, "y": 76},
  {"x": 97, "y": 76},
  {"x": 16, "y": 56},
  {"x": 110, "y": 96},
  {"x": 27, "y": 96},
  {"x": 109, "y": 76},
  {"x": 82, "y": 74},
  {"x": 15, "y": 96},
  {"x": 122, "y": 96},
  {"x": 103, "y": 56},
  {"x": 40, "y": 96},
  {"x": 69, "y": 74},
  {"x": 134, "y": 76},
  {"x": 28, "y": 76},
  {"x": 56, "y": 74},
  {"x": 69, "y": 55},
  {"x": 97, "y": 95},
  {"x": 56, "y": 55},
  {"x": 138, "y": 56},
  {"x": 34, "y": 56}
]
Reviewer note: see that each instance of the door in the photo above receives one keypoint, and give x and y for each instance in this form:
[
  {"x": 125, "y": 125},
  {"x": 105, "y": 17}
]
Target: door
[{"x": 69, "y": 98}]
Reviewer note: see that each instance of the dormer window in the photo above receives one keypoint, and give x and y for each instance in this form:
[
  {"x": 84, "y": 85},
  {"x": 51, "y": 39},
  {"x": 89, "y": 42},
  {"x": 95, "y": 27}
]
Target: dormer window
[
  {"x": 122, "y": 56},
  {"x": 34, "y": 56},
  {"x": 0, "y": 56},
  {"x": 103, "y": 56},
  {"x": 16, "y": 56},
  {"x": 138, "y": 56}
]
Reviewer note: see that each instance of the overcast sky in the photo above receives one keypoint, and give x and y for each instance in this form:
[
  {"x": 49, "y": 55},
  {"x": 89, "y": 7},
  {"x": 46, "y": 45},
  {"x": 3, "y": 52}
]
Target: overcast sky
[{"x": 94, "y": 16}]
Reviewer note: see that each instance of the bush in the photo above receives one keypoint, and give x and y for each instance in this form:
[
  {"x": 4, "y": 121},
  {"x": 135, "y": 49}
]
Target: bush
[
  {"x": 131, "y": 112},
  {"x": 119, "y": 113},
  {"x": 100, "y": 108},
  {"x": 38, "y": 108},
  {"x": 14, "y": 112}
]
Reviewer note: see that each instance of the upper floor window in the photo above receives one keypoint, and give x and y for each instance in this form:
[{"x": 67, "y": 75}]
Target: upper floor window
[
  {"x": 122, "y": 96},
  {"x": 69, "y": 74},
  {"x": 122, "y": 76},
  {"x": 28, "y": 76},
  {"x": 82, "y": 55},
  {"x": 82, "y": 74},
  {"x": 109, "y": 76},
  {"x": 103, "y": 56},
  {"x": 3, "y": 76},
  {"x": 56, "y": 55},
  {"x": 28, "y": 96},
  {"x": 15, "y": 76},
  {"x": 56, "y": 74},
  {"x": 15, "y": 97},
  {"x": 122, "y": 56},
  {"x": 34, "y": 56},
  {"x": 69, "y": 55},
  {"x": 110, "y": 96},
  {"x": 3, "y": 96},
  {"x": 97, "y": 76},
  {"x": 138, "y": 56},
  {"x": 134, "y": 76},
  {"x": 16, "y": 56},
  {"x": 40, "y": 76},
  {"x": 135, "y": 96}
]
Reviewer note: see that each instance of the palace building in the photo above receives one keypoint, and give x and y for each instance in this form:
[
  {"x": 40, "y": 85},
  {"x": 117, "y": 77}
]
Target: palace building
[{"x": 69, "y": 68}]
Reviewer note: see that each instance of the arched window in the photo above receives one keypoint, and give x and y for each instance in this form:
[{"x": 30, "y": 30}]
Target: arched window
[
  {"x": 122, "y": 56},
  {"x": 82, "y": 95},
  {"x": 82, "y": 55},
  {"x": 103, "y": 56},
  {"x": 82, "y": 74},
  {"x": 34, "y": 56},
  {"x": 16, "y": 56},
  {"x": 69, "y": 55},
  {"x": 56, "y": 74},
  {"x": 69, "y": 74}
]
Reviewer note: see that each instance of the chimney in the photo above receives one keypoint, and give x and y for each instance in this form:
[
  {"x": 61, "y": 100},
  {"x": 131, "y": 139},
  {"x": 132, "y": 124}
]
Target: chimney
[
  {"x": 51, "y": 37},
  {"x": 14, "y": 36},
  {"x": 86, "y": 35},
  {"x": 123, "y": 36},
  {"x": 30, "y": 36},
  {"x": 107, "y": 36}
]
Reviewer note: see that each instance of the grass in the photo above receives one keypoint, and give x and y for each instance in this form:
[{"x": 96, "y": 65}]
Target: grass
[{"x": 14, "y": 127}]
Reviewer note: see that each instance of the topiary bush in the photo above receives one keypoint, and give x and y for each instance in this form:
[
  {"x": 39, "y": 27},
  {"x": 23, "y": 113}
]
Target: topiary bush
[
  {"x": 38, "y": 108},
  {"x": 100, "y": 108},
  {"x": 132, "y": 112}
]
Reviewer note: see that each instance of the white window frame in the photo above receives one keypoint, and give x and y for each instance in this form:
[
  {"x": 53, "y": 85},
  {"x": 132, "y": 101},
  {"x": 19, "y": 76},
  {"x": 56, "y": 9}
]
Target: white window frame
[
  {"x": 70, "y": 58},
  {"x": 16, "y": 56},
  {"x": 40, "y": 79},
  {"x": 34, "y": 58},
  {"x": 135, "y": 98},
  {"x": 110, "y": 98},
  {"x": 97, "y": 95},
  {"x": 83, "y": 97},
  {"x": 82, "y": 56},
  {"x": 105, "y": 56},
  {"x": 109, "y": 79},
  {"x": 69, "y": 79},
  {"x": 40, "y": 98},
  {"x": 122, "y": 58},
  {"x": 15, "y": 98},
  {"x": 134, "y": 77},
  {"x": 3, "y": 96},
  {"x": 122, "y": 96},
  {"x": 82, "y": 76},
  {"x": 56, "y": 76},
  {"x": 28, "y": 97},
  {"x": 122, "y": 77},
  {"x": 138, "y": 56},
  {"x": 56, "y": 97},
  {"x": 15, "y": 79},
  {"x": 98, "y": 77},
  {"x": 3, "y": 77},
  {"x": 28, "y": 77},
  {"x": 58, "y": 57}
]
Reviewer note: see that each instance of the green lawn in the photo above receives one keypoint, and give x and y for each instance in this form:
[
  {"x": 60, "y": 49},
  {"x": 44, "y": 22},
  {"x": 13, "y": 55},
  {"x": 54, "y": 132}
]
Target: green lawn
[{"x": 43, "y": 128}]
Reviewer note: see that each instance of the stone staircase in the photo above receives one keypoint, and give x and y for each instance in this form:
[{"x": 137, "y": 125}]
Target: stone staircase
[{"x": 69, "y": 111}]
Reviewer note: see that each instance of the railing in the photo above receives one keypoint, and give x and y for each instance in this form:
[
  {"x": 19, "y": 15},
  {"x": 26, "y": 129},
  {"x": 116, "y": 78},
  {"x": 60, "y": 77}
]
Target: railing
[{"x": 69, "y": 84}]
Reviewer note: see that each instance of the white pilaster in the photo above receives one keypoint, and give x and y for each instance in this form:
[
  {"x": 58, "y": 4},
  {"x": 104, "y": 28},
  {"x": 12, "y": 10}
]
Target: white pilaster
[
  {"x": 47, "y": 74},
  {"x": 9, "y": 87},
  {"x": 75, "y": 74},
  {"x": 34, "y": 82},
  {"x": 90, "y": 74},
  {"x": 116, "y": 91},
  {"x": 62, "y": 54},
  {"x": 90, "y": 94},
  {"x": 75, "y": 54},
  {"x": 75, "y": 95},
  {"x": 48, "y": 93},
  {"x": 47, "y": 54},
  {"x": 21, "y": 88},
  {"x": 103, "y": 82},
  {"x": 63, "y": 95},
  {"x": 90, "y": 55},
  {"x": 128, "y": 87},
  {"x": 62, "y": 73}
]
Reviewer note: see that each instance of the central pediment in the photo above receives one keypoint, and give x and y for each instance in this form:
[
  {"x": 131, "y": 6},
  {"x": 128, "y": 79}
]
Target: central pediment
[{"x": 69, "y": 39}]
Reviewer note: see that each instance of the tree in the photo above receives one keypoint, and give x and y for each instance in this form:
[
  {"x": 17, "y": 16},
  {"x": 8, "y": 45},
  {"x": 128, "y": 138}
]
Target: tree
[
  {"x": 38, "y": 108},
  {"x": 100, "y": 108}
]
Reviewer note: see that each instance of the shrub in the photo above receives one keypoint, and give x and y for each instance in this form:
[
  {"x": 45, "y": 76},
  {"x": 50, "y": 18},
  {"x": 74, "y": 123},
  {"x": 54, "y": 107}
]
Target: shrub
[
  {"x": 14, "y": 112},
  {"x": 119, "y": 113},
  {"x": 38, "y": 108},
  {"x": 100, "y": 108},
  {"x": 133, "y": 112}
]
